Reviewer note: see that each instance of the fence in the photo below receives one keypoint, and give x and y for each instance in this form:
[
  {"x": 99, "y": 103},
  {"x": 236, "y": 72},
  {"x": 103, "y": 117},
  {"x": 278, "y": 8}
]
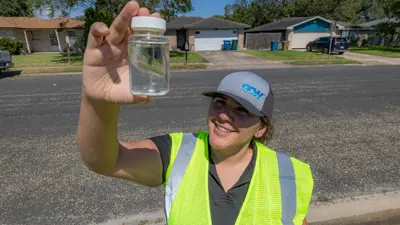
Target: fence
[{"x": 257, "y": 41}]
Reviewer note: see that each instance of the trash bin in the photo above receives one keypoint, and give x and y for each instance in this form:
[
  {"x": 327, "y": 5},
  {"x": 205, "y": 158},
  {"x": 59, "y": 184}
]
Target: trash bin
[
  {"x": 285, "y": 45},
  {"x": 234, "y": 45},
  {"x": 274, "y": 45},
  {"x": 227, "y": 45}
]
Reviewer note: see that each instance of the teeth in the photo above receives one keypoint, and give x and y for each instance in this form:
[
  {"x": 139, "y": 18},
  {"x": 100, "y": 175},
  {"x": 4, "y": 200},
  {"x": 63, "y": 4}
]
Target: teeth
[{"x": 222, "y": 129}]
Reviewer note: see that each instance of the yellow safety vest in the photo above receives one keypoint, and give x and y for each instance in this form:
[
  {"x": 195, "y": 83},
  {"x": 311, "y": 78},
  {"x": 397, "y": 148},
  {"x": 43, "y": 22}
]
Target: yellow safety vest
[{"x": 279, "y": 192}]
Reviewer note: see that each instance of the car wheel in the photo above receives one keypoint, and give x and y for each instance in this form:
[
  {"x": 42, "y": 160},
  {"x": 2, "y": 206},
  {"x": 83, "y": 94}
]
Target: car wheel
[
  {"x": 308, "y": 48},
  {"x": 325, "y": 51},
  {"x": 341, "y": 53}
]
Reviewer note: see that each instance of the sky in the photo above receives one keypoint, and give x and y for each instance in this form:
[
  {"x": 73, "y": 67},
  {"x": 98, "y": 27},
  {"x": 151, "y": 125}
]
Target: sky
[{"x": 202, "y": 8}]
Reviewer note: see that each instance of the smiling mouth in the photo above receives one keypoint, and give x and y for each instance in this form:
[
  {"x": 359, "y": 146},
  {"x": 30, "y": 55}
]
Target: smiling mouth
[{"x": 223, "y": 129}]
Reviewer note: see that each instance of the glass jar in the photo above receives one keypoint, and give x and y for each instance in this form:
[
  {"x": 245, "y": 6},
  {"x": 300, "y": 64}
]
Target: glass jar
[{"x": 148, "y": 54}]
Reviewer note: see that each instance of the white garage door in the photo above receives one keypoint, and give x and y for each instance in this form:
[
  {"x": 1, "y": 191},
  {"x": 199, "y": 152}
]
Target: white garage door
[
  {"x": 301, "y": 39},
  {"x": 207, "y": 40}
]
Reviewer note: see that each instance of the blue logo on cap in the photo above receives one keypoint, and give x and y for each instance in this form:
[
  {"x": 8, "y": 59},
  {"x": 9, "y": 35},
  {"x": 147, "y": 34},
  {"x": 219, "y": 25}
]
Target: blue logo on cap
[{"x": 252, "y": 90}]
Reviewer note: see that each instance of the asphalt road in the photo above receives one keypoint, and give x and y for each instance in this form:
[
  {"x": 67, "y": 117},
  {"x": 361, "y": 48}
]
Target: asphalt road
[{"x": 344, "y": 121}]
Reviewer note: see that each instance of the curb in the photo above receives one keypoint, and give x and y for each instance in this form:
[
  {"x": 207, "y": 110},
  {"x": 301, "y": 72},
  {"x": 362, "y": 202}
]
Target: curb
[
  {"x": 246, "y": 67},
  {"x": 348, "y": 208},
  {"x": 377, "y": 209}
]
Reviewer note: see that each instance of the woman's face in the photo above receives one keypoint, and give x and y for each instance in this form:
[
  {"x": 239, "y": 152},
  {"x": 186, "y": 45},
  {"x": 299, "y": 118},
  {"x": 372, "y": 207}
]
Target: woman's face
[{"x": 230, "y": 125}]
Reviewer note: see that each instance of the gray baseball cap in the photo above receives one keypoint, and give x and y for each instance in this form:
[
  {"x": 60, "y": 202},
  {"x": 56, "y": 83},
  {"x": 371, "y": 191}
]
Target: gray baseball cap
[{"x": 250, "y": 90}]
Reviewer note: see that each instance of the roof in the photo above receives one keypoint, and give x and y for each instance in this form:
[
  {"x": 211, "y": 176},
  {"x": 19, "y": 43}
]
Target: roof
[
  {"x": 352, "y": 26},
  {"x": 282, "y": 24},
  {"x": 212, "y": 23},
  {"x": 288, "y": 23},
  {"x": 379, "y": 21},
  {"x": 37, "y": 23},
  {"x": 204, "y": 23},
  {"x": 182, "y": 21}
]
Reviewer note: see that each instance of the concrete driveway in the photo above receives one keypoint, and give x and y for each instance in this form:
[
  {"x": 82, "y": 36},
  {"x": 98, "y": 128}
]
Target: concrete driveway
[
  {"x": 235, "y": 59},
  {"x": 371, "y": 59}
]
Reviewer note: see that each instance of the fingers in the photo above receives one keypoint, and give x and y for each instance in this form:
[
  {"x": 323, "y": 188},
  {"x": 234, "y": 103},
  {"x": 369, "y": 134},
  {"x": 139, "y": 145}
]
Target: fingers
[
  {"x": 97, "y": 31},
  {"x": 156, "y": 15},
  {"x": 123, "y": 22},
  {"x": 143, "y": 12}
]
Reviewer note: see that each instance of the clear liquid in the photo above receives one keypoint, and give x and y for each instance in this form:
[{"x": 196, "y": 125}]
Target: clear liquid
[{"x": 149, "y": 66}]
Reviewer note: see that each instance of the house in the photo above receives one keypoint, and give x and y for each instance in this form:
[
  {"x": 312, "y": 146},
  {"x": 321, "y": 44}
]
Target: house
[
  {"x": 203, "y": 34},
  {"x": 353, "y": 31},
  {"x": 297, "y": 30},
  {"x": 391, "y": 34},
  {"x": 41, "y": 35}
]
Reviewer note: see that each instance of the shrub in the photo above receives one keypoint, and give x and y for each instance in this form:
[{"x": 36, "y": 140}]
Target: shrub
[{"x": 11, "y": 45}]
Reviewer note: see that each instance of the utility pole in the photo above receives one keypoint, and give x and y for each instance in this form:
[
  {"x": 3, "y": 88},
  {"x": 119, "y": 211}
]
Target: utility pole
[{"x": 333, "y": 29}]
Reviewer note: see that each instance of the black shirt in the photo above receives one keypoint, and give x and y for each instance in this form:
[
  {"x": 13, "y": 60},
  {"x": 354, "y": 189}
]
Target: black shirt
[{"x": 224, "y": 207}]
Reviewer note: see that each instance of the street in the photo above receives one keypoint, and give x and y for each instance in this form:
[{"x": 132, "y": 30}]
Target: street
[{"x": 344, "y": 121}]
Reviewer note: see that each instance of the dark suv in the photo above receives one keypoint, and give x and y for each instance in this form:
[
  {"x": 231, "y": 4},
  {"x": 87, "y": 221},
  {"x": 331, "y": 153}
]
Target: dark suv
[{"x": 339, "y": 45}]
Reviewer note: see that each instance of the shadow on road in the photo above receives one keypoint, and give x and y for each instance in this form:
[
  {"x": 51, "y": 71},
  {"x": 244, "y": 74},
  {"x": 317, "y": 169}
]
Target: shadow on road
[{"x": 8, "y": 74}]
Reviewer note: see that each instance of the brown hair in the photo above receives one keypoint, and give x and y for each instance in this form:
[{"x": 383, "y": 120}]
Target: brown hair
[{"x": 269, "y": 132}]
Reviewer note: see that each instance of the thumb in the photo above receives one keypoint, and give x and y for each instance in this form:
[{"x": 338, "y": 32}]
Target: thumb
[{"x": 141, "y": 99}]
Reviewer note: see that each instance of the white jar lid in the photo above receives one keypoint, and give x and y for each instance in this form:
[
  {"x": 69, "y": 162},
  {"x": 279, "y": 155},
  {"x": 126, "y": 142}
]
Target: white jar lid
[{"x": 148, "y": 22}]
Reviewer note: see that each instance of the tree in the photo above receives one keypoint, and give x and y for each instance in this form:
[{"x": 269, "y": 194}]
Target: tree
[
  {"x": 167, "y": 8},
  {"x": 61, "y": 7},
  {"x": 257, "y": 12},
  {"x": 107, "y": 10},
  {"x": 15, "y": 8},
  {"x": 391, "y": 8}
]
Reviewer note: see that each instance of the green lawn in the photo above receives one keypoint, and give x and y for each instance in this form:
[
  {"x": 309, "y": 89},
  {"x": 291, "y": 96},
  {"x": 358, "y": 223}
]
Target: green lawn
[
  {"x": 393, "y": 52},
  {"x": 322, "y": 62},
  {"x": 61, "y": 59},
  {"x": 288, "y": 55},
  {"x": 46, "y": 59},
  {"x": 188, "y": 66},
  {"x": 180, "y": 57}
]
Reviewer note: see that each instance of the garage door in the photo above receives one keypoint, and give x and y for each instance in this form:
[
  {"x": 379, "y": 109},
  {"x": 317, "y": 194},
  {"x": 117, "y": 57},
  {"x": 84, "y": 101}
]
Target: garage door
[
  {"x": 301, "y": 39},
  {"x": 207, "y": 40}
]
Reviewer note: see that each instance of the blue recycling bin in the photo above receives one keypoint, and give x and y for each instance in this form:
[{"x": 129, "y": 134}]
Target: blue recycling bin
[
  {"x": 227, "y": 45},
  {"x": 274, "y": 45}
]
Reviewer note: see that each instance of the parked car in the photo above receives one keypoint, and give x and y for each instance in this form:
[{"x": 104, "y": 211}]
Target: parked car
[
  {"x": 339, "y": 45},
  {"x": 5, "y": 60}
]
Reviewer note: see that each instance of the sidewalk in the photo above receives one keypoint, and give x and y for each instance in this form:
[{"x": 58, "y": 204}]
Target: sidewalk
[{"x": 378, "y": 209}]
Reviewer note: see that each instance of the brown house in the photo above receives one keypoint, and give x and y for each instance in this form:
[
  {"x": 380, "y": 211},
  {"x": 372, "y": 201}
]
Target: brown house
[
  {"x": 204, "y": 34},
  {"x": 42, "y": 35}
]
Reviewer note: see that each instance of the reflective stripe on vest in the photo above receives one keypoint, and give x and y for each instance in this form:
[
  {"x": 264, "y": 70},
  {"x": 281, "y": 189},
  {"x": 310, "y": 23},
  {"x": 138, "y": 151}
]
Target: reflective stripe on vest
[
  {"x": 288, "y": 188},
  {"x": 178, "y": 170},
  {"x": 184, "y": 155}
]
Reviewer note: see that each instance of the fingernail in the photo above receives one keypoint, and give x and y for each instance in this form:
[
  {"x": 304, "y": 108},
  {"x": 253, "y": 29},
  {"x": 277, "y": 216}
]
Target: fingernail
[{"x": 103, "y": 29}]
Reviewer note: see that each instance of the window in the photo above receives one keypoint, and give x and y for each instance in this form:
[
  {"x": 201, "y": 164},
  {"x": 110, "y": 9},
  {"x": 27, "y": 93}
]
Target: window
[
  {"x": 341, "y": 40},
  {"x": 53, "y": 39},
  {"x": 71, "y": 34}
]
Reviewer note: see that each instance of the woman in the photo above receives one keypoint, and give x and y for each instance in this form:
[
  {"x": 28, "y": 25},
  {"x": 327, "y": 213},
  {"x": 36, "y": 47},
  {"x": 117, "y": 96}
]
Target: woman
[{"x": 223, "y": 176}]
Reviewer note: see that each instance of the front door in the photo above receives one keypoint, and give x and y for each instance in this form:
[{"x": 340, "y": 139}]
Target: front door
[{"x": 181, "y": 39}]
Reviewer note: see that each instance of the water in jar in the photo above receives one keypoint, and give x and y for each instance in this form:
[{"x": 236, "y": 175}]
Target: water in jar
[{"x": 149, "y": 66}]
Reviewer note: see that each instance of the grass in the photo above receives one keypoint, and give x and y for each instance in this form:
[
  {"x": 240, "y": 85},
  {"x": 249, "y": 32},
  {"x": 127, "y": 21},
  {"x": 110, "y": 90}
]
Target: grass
[
  {"x": 288, "y": 55},
  {"x": 188, "y": 66},
  {"x": 393, "y": 52},
  {"x": 322, "y": 62},
  {"x": 46, "y": 59},
  {"x": 16, "y": 72},
  {"x": 180, "y": 57}
]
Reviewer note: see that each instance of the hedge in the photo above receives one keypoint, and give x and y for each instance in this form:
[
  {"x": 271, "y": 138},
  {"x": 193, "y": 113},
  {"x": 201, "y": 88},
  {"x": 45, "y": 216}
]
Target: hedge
[{"x": 11, "y": 45}]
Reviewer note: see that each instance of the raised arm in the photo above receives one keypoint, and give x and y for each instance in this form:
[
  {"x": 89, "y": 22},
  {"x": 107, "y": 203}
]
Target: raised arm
[{"x": 105, "y": 86}]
